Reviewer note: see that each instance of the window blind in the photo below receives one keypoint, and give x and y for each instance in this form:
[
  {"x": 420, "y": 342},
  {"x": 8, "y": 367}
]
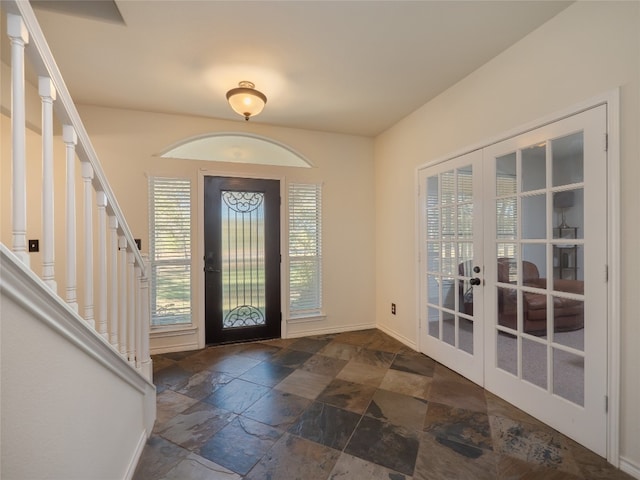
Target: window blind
[
  {"x": 170, "y": 250},
  {"x": 305, "y": 250}
]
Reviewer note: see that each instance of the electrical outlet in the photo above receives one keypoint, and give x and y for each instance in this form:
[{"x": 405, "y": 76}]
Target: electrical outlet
[
  {"x": 393, "y": 308},
  {"x": 34, "y": 245}
]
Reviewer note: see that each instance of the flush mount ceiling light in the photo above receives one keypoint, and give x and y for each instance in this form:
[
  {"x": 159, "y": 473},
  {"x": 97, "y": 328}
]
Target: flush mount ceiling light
[{"x": 246, "y": 100}]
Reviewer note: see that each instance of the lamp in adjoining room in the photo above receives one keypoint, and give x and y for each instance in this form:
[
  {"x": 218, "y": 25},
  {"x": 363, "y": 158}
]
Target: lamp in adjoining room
[
  {"x": 563, "y": 200},
  {"x": 245, "y": 100}
]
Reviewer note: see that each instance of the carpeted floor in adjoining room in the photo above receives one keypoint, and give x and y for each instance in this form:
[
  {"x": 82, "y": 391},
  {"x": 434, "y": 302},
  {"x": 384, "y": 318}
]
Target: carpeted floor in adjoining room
[{"x": 350, "y": 406}]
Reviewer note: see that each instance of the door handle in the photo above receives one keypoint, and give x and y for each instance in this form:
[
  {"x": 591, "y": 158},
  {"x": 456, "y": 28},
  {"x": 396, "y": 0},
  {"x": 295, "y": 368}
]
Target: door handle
[
  {"x": 211, "y": 269},
  {"x": 475, "y": 281}
]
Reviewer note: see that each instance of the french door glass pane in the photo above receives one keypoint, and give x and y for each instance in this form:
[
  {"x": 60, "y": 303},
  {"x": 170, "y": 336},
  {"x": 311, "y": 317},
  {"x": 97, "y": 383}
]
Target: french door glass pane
[
  {"x": 448, "y": 293},
  {"x": 448, "y": 227},
  {"x": 507, "y": 307},
  {"x": 449, "y": 328},
  {"x": 571, "y": 338},
  {"x": 465, "y": 221},
  {"x": 465, "y": 259},
  {"x": 568, "y": 376},
  {"x": 433, "y": 320},
  {"x": 534, "y": 272},
  {"x": 534, "y": 362},
  {"x": 433, "y": 286},
  {"x": 447, "y": 186},
  {"x": 432, "y": 192},
  {"x": 507, "y": 218},
  {"x": 433, "y": 256},
  {"x": 534, "y": 168},
  {"x": 533, "y": 216},
  {"x": 507, "y": 357},
  {"x": 506, "y": 175},
  {"x": 465, "y": 341},
  {"x": 465, "y": 184},
  {"x": 433, "y": 223},
  {"x": 465, "y": 302},
  {"x": 568, "y": 206},
  {"x": 449, "y": 263},
  {"x": 568, "y": 159}
]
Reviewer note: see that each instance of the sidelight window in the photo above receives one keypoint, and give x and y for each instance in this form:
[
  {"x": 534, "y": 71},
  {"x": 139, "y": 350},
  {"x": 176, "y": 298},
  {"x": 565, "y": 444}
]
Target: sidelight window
[
  {"x": 305, "y": 250},
  {"x": 170, "y": 250}
]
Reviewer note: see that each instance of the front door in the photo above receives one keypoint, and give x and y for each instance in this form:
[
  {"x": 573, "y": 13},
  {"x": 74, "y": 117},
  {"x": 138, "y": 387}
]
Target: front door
[
  {"x": 242, "y": 259},
  {"x": 525, "y": 222}
]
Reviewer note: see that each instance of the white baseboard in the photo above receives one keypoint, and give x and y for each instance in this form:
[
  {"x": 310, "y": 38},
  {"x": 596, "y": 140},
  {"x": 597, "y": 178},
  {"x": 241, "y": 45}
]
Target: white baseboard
[
  {"x": 397, "y": 336},
  {"x": 181, "y": 347},
  {"x": 329, "y": 330},
  {"x": 627, "y": 466},
  {"x": 137, "y": 453}
]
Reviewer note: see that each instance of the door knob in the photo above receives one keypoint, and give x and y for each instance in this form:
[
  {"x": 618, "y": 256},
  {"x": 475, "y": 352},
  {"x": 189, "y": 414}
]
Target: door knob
[{"x": 474, "y": 281}]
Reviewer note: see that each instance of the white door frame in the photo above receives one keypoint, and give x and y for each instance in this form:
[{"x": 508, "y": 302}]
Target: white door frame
[{"x": 612, "y": 100}]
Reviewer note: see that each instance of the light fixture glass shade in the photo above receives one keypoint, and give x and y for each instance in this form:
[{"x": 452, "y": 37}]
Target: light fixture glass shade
[{"x": 246, "y": 100}]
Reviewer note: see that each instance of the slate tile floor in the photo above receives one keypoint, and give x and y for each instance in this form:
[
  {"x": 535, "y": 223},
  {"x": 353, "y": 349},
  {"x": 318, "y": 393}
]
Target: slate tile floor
[{"x": 349, "y": 406}]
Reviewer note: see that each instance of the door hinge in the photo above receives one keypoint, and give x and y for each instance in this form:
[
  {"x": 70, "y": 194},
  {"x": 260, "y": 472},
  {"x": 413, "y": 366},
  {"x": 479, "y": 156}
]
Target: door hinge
[
  {"x": 606, "y": 273},
  {"x": 606, "y": 142},
  {"x": 606, "y": 404}
]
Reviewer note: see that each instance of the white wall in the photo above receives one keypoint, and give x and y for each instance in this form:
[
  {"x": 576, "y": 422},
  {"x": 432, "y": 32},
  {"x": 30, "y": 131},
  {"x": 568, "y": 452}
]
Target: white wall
[
  {"x": 71, "y": 407},
  {"x": 588, "y": 49},
  {"x": 128, "y": 143}
]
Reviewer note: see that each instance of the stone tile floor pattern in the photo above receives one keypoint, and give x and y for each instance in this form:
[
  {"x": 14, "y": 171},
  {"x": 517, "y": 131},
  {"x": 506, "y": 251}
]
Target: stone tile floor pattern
[{"x": 350, "y": 406}]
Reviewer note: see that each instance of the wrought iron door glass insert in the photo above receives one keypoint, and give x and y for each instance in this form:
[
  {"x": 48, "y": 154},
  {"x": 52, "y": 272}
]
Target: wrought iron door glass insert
[{"x": 243, "y": 266}]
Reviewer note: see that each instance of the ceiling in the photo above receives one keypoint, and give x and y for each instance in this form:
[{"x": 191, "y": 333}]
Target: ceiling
[{"x": 353, "y": 67}]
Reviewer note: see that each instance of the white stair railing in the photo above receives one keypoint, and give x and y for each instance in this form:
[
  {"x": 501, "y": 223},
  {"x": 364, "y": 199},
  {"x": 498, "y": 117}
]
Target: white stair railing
[{"x": 114, "y": 280}]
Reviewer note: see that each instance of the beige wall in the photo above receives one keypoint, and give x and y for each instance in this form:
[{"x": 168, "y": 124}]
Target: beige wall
[
  {"x": 587, "y": 50},
  {"x": 128, "y": 143}
]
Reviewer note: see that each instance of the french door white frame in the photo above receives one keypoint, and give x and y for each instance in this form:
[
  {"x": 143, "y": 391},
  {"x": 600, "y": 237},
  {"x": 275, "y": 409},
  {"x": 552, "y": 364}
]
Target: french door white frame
[{"x": 612, "y": 101}]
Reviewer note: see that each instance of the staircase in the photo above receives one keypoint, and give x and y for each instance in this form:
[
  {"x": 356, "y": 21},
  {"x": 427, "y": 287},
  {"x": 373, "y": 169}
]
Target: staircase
[{"x": 77, "y": 398}]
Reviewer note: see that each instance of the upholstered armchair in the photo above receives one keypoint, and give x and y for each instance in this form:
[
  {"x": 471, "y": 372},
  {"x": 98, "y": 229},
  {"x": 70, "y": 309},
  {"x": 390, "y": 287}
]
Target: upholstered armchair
[{"x": 568, "y": 313}]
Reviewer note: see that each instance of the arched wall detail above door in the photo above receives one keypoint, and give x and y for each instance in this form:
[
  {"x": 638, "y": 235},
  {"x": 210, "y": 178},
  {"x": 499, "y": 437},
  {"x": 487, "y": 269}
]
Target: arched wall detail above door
[{"x": 236, "y": 147}]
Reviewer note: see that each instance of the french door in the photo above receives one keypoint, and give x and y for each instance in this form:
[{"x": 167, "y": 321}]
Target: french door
[
  {"x": 539, "y": 303},
  {"x": 452, "y": 241},
  {"x": 242, "y": 259}
]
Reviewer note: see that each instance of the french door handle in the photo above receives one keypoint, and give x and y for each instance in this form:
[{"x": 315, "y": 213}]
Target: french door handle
[{"x": 210, "y": 269}]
